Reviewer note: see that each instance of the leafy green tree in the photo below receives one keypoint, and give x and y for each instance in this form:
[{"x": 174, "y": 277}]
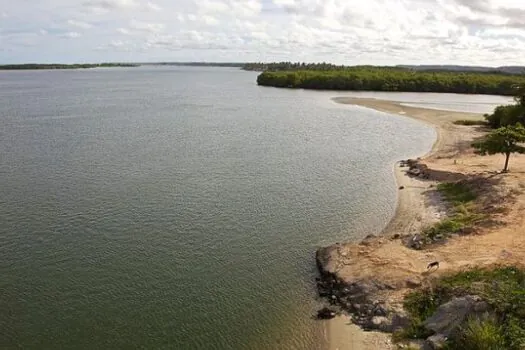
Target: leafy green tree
[
  {"x": 506, "y": 115},
  {"x": 505, "y": 140},
  {"x": 520, "y": 94}
]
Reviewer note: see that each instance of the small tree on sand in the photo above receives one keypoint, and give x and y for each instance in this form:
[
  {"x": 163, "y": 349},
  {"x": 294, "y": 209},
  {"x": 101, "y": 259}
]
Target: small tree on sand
[{"x": 505, "y": 140}]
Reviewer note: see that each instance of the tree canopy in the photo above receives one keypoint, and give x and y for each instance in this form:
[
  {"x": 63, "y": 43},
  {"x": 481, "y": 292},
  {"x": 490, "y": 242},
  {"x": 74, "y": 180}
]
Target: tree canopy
[
  {"x": 505, "y": 140},
  {"x": 369, "y": 78},
  {"x": 509, "y": 114}
]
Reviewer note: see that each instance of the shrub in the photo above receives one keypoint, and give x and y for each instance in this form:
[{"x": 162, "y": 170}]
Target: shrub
[
  {"x": 506, "y": 115},
  {"x": 481, "y": 334},
  {"x": 503, "y": 288},
  {"x": 469, "y": 122}
]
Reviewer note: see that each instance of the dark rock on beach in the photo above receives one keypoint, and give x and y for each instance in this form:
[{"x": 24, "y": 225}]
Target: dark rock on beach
[{"x": 326, "y": 314}]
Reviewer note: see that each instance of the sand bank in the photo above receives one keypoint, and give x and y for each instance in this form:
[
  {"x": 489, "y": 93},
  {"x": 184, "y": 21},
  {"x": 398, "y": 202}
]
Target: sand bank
[{"x": 414, "y": 211}]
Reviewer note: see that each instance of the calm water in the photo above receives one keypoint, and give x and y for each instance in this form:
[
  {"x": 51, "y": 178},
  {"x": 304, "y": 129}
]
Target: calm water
[{"x": 179, "y": 208}]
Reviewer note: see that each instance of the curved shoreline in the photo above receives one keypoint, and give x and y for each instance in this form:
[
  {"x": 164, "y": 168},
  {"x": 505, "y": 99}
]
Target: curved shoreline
[{"x": 412, "y": 211}]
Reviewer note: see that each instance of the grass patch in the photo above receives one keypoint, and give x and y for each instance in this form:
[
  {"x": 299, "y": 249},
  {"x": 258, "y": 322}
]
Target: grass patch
[
  {"x": 503, "y": 288},
  {"x": 469, "y": 122},
  {"x": 456, "y": 192},
  {"x": 463, "y": 214},
  {"x": 480, "y": 334}
]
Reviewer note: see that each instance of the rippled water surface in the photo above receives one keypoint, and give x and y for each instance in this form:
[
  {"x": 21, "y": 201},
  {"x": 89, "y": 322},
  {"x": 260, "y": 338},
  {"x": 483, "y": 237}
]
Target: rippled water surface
[{"x": 179, "y": 208}]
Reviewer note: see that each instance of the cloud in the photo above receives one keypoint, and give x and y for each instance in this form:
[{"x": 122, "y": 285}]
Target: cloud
[
  {"x": 110, "y": 4},
  {"x": 490, "y": 32},
  {"x": 146, "y": 27},
  {"x": 123, "y": 31},
  {"x": 153, "y": 6},
  {"x": 71, "y": 35},
  {"x": 79, "y": 24}
]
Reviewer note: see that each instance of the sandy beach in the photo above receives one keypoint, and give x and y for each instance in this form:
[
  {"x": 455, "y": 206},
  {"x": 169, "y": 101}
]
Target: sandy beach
[{"x": 450, "y": 159}]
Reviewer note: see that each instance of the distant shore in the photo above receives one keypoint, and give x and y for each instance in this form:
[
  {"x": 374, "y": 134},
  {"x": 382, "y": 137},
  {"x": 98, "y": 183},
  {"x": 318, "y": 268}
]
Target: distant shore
[
  {"x": 413, "y": 210},
  {"x": 37, "y": 66}
]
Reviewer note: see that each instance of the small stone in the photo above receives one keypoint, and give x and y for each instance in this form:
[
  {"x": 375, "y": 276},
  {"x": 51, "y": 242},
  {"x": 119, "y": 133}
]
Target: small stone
[
  {"x": 401, "y": 187},
  {"x": 437, "y": 341}
]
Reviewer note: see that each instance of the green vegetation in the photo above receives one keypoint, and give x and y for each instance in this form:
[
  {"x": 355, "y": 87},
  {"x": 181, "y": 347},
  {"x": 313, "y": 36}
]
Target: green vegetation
[
  {"x": 368, "y": 78},
  {"x": 503, "y": 288},
  {"x": 199, "y": 64},
  {"x": 480, "y": 334},
  {"x": 506, "y": 115},
  {"x": 470, "y": 122},
  {"x": 63, "y": 66},
  {"x": 294, "y": 66},
  {"x": 505, "y": 140},
  {"x": 509, "y": 114},
  {"x": 464, "y": 213},
  {"x": 458, "y": 193}
]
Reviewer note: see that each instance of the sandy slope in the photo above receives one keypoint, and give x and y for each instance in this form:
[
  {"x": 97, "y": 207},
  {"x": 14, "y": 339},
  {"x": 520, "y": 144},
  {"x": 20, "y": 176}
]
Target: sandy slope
[{"x": 451, "y": 159}]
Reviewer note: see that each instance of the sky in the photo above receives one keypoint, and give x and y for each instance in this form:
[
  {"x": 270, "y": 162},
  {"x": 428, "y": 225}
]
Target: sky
[{"x": 386, "y": 32}]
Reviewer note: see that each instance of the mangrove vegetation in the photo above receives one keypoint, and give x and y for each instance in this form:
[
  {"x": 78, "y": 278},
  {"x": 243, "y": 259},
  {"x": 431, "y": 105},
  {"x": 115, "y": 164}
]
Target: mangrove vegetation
[{"x": 368, "y": 78}]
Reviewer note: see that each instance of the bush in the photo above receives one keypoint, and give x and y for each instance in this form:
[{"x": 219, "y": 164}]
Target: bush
[
  {"x": 481, "y": 334},
  {"x": 469, "y": 122},
  {"x": 506, "y": 115},
  {"x": 503, "y": 288}
]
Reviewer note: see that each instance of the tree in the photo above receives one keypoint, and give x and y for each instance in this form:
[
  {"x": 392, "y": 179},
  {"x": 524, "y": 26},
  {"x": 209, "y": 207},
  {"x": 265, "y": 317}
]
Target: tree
[
  {"x": 505, "y": 140},
  {"x": 520, "y": 94}
]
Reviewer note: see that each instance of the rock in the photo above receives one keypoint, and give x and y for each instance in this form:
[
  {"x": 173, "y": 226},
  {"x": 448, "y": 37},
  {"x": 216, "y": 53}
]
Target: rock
[
  {"x": 414, "y": 172},
  {"x": 401, "y": 187},
  {"x": 413, "y": 282},
  {"x": 400, "y": 320},
  {"x": 380, "y": 310},
  {"x": 435, "y": 342},
  {"x": 414, "y": 242},
  {"x": 325, "y": 314},
  {"x": 450, "y": 316},
  {"x": 368, "y": 240},
  {"x": 377, "y": 323}
]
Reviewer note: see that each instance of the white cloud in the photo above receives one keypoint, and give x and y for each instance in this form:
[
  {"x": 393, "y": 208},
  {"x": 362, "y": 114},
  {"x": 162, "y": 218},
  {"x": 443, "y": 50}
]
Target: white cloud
[
  {"x": 153, "y": 6},
  {"x": 490, "y": 32},
  {"x": 146, "y": 27},
  {"x": 71, "y": 35},
  {"x": 110, "y": 4},
  {"x": 123, "y": 31},
  {"x": 79, "y": 24}
]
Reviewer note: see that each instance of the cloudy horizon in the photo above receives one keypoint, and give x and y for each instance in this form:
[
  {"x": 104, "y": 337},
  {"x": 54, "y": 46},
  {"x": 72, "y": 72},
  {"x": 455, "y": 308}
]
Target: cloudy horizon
[{"x": 385, "y": 32}]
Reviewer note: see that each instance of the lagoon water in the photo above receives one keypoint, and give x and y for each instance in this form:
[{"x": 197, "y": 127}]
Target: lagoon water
[{"x": 180, "y": 208}]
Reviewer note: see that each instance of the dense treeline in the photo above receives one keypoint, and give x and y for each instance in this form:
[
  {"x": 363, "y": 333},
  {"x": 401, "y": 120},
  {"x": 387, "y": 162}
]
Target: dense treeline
[
  {"x": 393, "y": 79},
  {"x": 63, "y": 66},
  {"x": 198, "y": 64},
  {"x": 292, "y": 66}
]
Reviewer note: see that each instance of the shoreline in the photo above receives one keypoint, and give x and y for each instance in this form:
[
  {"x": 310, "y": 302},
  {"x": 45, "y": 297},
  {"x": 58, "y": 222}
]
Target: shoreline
[{"x": 412, "y": 210}]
